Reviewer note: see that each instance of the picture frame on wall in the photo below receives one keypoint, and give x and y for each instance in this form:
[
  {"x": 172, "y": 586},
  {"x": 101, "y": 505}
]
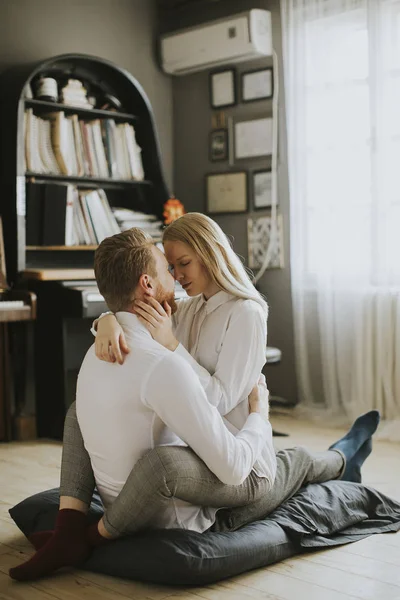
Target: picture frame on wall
[
  {"x": 253, "y": 138},
  {"x": 218, "y": 145},
  {"x": 226, "y": 193},
  {"x": 257, "y": 84},
  {"x": 262, "y": 189},
  {"x": 223, "y": 88}
]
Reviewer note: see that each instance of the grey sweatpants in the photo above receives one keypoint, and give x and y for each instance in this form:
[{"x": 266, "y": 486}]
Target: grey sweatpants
[{"x": 176, "y": 471}]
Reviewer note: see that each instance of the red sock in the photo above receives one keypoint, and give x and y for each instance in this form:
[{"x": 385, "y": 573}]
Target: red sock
[
  {"x": 68, "y": 546},
  {"x": 40, "y": 538}
]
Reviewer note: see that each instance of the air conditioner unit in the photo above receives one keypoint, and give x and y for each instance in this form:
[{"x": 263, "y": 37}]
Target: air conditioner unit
[{"x": 234, "y": 39}]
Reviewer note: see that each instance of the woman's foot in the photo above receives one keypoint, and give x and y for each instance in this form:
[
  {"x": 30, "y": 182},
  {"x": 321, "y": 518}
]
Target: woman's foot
[
  {"x": 362, "y": 429},
  {"x": 352, "y": 471},
  {"x": 356, "y": 445}
]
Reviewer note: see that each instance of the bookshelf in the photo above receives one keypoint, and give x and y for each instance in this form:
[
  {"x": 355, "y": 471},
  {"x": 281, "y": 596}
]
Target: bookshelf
[
  {"x": 60, "y": 274},
  {"x": 101, "y": 78}
]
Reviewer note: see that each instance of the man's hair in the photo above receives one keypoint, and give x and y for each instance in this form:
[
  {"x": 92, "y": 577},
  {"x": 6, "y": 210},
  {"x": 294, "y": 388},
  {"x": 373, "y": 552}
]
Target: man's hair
[{"x": 119, "y": 261}]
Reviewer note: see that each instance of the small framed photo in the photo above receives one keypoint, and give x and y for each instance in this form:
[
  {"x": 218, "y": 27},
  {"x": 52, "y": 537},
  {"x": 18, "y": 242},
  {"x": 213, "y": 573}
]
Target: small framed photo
[
  {"x": 262, "y": 189},
  {"x": 257, "y": 85},
  {"x": 223, "y": 88},
  {"x": 219, "y": 145},
  {"x": 253, "y": 138},
  {"x": 226, "y": 193}
]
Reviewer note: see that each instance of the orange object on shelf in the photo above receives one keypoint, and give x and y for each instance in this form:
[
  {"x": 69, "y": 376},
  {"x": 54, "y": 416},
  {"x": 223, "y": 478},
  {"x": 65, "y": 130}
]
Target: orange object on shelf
[{"x": 173, "y": 209}]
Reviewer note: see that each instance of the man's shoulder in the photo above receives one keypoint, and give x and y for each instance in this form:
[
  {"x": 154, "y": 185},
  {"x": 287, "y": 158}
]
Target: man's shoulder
[{"x": 170, "y": 362}]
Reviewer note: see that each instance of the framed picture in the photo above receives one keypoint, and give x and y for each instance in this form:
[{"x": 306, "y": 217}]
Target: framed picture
[
  {"x": 223, "y": 88},
  {"x": 259, "y": 238},
  {"x": 262, "y": 189},
  {"x": 226, "y": 193},
  {"x": 219, "y": 145},
  {"x": 253, "y": 138},
  {"x": 257, "y": 85}
]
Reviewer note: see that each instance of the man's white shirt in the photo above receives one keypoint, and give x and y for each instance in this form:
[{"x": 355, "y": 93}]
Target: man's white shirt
[{"x": 155, "y": 399}]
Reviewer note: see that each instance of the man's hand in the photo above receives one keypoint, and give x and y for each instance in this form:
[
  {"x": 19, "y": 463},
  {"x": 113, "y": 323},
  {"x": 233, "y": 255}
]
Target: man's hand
[
  {"x": 259, "y": 399},
  {"x": 157, "y": 319},
  {"x": 110, "y": 341}
]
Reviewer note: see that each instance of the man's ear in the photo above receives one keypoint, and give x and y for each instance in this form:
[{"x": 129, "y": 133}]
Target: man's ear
[{"x": 146, "y": 284}]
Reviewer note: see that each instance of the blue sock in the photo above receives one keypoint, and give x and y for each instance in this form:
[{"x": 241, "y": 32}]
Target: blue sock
[
  {"x": 362, "y": 429},
  {"x": 352, "y": 471}
]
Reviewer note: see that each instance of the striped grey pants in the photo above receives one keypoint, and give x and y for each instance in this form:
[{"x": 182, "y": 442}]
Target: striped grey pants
[{"x": 176, "y": 471}]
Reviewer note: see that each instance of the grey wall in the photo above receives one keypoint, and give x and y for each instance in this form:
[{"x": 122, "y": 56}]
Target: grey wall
[
  {"x": 192, "y": 125},
  {"x": 122, "y": 31}
]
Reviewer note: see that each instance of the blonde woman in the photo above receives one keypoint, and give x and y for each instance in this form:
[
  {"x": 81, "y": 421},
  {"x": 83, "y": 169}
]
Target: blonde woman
[{"x": 220, "y": 330}]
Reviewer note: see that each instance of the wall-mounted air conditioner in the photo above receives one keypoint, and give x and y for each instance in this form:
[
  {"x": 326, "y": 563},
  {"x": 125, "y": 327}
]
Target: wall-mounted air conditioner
[{"x": 234, "y": 39}]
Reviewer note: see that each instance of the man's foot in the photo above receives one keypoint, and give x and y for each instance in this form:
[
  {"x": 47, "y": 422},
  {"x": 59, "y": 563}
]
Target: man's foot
[
  {"x": 93, "y": 536},
  {"x": 68, "y": 546},
  {"x": 352, "y": 471},
  {"x": 362, "y": 429},
  {"x": 40, "y": 538}
]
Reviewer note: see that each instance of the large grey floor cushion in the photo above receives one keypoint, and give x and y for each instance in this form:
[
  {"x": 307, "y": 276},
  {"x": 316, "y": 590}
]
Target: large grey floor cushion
[{"x": 320, "y": 515}]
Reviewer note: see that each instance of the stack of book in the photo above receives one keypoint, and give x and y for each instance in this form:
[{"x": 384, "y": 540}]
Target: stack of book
[
  {"x": 127, "y": 219},
  {"x": 67, "y": 145},
  {"x": 63, "y": 215}
]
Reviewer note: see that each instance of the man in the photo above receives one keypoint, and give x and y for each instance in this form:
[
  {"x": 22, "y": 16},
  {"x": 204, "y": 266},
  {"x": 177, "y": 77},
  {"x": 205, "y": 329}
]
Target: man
[{"x": 154, "y": 401}]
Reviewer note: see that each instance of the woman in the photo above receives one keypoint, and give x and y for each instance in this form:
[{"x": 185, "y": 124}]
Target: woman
[{"x": 221, "y": 331}]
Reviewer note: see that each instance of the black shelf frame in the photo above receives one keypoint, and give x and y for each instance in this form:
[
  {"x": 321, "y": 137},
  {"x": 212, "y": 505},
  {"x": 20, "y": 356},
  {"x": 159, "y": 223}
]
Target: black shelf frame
[
  {"x": 43, "y": 106},
  {"x": 88, "y": 181}
]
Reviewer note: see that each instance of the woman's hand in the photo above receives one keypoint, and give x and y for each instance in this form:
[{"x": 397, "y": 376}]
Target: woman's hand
[
  {"x": 110, "y": 344},
  {"x": 157, "y": 319},
  {"x": 259, "y": 398}
]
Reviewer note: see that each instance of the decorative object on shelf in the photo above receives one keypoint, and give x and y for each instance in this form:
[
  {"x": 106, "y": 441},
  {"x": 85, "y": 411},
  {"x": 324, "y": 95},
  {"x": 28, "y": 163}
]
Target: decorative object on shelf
[
  {"x": 223, "y": 88},
  {"x": 258, "y": 239},
  {"x": 262, "y": 189},
  {"x": 257, "y": 85},
  {"x": 218, "y": 120},
  {"x": 75, "y": 94},
  {"x": 47, "y": 89},
  {"x": 253, "y": 138},
  {"x": 226, "y": 193},
  {"x": 110, "y": 103},
  {"x": 219, "y": 145},
  {"x": 173, "y": 209}
]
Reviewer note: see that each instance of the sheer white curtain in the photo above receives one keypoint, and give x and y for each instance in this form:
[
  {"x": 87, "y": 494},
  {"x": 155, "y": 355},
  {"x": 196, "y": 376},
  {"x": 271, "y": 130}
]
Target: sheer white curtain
[{"x": 342, "y": 84}]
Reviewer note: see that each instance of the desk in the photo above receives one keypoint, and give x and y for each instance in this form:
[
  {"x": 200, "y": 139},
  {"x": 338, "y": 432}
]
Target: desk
[{"x": 13, "y": 314}]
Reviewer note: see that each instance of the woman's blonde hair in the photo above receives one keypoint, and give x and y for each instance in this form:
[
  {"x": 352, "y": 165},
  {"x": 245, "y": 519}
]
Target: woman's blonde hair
[{"x": 206, "y": 238}]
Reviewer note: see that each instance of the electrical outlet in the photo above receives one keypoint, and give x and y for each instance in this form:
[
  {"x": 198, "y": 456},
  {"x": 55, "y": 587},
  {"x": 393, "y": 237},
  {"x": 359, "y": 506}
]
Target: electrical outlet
[{"x": 258, "y": 237}]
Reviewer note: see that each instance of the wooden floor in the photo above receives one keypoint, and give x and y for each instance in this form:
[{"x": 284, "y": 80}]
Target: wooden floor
[{"x": 369, "y": 569}]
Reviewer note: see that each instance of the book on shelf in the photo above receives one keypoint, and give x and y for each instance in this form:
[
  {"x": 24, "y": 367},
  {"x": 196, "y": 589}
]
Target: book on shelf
[
  {"x": 58, "y": 144},
  {"x": 63, "y": 215}
]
